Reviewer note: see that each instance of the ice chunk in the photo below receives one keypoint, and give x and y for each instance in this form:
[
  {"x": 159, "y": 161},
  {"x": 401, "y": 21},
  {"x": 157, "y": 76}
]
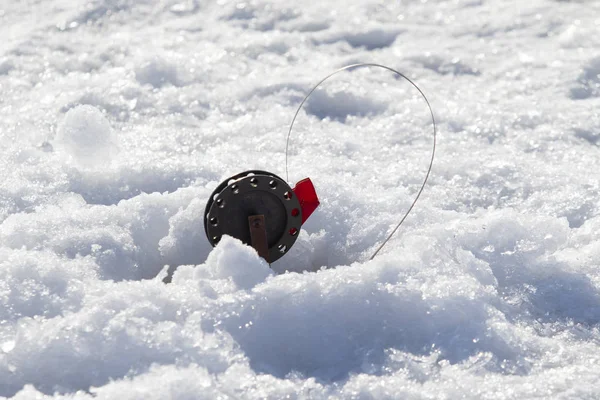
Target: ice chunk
[{"x": 8, "y": 346}]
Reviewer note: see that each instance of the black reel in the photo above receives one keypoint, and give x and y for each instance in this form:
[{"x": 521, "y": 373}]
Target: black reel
[{"x": 258, "y": 208}]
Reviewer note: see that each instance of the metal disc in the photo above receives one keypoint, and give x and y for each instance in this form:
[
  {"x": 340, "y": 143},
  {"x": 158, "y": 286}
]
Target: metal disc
[{"x": 254, "y": 193}]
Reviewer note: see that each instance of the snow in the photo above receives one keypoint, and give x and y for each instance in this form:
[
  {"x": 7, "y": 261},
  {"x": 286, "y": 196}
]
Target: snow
[
  {"x": 85, "y": 134},
  {"x": 118, "y": 118}
]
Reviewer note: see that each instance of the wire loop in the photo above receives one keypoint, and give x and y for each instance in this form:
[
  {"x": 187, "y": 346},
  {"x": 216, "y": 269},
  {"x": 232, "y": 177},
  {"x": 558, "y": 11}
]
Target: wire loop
[{"x": 434, "y": 135}]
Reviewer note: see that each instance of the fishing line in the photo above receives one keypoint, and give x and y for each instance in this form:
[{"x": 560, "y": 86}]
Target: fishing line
[{"x": 397, "y": 73}]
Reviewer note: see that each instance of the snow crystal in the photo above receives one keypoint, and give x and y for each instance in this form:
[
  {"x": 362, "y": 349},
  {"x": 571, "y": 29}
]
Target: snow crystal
[{"x": 8, "y": 346}]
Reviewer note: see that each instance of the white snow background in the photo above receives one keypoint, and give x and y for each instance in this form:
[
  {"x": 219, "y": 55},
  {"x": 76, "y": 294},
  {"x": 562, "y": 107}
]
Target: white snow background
[{"x": 119, "y": 117}]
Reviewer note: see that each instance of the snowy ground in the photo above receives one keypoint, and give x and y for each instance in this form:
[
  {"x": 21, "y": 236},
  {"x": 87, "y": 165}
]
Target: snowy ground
[{"x": 491, "y": 290}]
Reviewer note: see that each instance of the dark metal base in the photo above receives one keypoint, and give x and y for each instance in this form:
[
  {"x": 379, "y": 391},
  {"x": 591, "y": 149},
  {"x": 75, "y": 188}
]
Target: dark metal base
[{"x": 254, "y": 193}]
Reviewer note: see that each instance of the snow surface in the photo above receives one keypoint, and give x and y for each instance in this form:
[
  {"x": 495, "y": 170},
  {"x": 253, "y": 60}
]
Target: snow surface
[{"x": 119, "y": 117}]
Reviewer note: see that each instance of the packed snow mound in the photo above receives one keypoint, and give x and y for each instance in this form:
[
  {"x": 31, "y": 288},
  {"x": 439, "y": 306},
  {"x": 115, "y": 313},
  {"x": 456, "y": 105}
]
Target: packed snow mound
[
  {"x": 119, "y": 118},
  {"x": 86, "y": 135}
]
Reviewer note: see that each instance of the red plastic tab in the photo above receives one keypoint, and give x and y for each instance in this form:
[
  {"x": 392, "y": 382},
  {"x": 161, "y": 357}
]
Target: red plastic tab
[{"x": 307, "y": 195}]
